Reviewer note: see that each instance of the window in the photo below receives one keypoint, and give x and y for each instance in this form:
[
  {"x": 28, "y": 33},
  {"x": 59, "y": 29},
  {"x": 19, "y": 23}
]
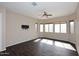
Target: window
[
  {"x": 36, "y": 26},
  {"x": 46, "y": 27},
  {"x": 57, "y": 28},
  {"x": 60, "y": 28},
  {"x": 63, "y": 28},
  {"x": 71, "y": 26},
  {"x": 41, "y": 27},
  {"x": 50, "y": 27}
]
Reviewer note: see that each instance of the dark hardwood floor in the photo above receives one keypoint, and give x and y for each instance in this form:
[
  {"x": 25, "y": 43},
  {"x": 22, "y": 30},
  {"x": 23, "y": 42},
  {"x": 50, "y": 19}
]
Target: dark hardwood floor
[{"x": 37, "y": 48}]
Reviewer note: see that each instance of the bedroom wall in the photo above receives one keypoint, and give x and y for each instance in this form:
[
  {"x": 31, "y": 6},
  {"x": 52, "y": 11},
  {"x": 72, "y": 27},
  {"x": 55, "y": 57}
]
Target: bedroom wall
[
  {"x": 2, "y": 29},
  {"x": 60, "y": 36},
  {"x": 77, "y": 29},
  {"x": 15, "y": 34}
]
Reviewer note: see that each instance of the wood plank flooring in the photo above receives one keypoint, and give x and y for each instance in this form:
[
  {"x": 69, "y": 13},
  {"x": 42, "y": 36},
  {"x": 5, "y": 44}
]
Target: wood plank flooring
[{"x": 37, "y": 48}]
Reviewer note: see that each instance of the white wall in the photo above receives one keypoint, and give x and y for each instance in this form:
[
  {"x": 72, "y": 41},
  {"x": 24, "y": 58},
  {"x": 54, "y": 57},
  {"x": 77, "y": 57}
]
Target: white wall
[
  {"x": 2, "y": 29},
  {"x": 60, "y": 36},
  {"x": 77, "y": 29},
  {"x": 15, "y": 34},
  {"x": 77, "y": 34}
]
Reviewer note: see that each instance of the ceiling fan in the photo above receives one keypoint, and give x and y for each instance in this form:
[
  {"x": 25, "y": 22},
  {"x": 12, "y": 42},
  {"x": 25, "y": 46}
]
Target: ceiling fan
[{"x": 45, "y": 14}]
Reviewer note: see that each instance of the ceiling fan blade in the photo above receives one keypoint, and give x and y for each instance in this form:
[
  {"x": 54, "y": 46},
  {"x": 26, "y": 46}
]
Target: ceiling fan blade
[
  {"x": 49, "y": 14},
  {"x": 46, "y": 15}
]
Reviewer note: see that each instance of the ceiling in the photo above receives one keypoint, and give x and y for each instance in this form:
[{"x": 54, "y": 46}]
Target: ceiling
[{"x": 57, "y": 9}]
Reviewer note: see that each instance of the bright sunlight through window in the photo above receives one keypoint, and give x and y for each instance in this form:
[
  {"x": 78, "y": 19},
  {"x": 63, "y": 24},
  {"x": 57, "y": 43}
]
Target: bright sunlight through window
[
  {"x": 57, "y": 28},
  {"x": 50, "y": 27},
  {"x": 63, "y": 28},
  {"x": 64, "y": 45},
  {"x": 46, "y": 41},
  {"x": 41, "y": 27},
  {"x": 46, "y": 27}
]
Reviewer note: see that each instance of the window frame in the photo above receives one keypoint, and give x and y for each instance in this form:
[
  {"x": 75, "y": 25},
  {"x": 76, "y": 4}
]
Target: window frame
[
  {"x": 48, "y": 27},
  {"x": 36, "y": 27},
  {"x": 59, "y": 28},
  {"x": 44, "y": 27},
  {"x": 52, "y": 27},
  {"x": 70, "y": 27},
  {"x": 39, "y": 27},
  {"x": 65, "y": 29}
]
